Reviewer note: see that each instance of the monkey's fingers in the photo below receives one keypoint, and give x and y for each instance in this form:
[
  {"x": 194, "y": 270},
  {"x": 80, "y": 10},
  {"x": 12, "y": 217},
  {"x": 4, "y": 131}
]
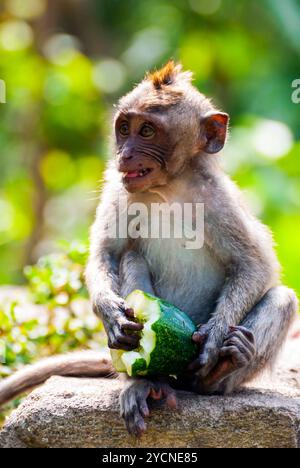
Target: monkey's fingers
[
  {"x": 208, "y": 359},
  {"x": 245, "y": 331},
  {"x": 128, "y": 325},
  {"x": 135, "y": 423},
  {"x": 199, "y": 337},
  {"x": 144, "y": 408},
  {"x": 140, "y": 426},
  {"x": 224, "y": 368},
  {"x": 129, "y": 312},
  {"x": 164, "y": 391},
  {"x": 122, "y": 346},
  {"x": 130, "y": 340},
  {"x": 134, "y": 408},
  {"x": 194, "y": 365},
  {"x": 117, "y": 339},
  {"x": 238, "y": 339},
  {"x": 170, "y": 396},
  {"x": 245, "y": 350},
  {"x": 237, "y": 357}
]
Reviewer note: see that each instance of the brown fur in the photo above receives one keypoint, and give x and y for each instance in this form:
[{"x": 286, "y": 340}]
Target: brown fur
[
  {"x": 165, "y": 76},
  {"x": 77, "y": 364}
]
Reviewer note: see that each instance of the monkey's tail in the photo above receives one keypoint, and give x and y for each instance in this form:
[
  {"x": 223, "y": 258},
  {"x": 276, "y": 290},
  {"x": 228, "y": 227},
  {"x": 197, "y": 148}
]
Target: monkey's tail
[{"x": 77, "y": 364}]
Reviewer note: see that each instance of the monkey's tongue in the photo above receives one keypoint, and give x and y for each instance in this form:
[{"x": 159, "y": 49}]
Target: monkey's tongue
[
  {"x": 132, "y": 175},
  {"x": 135, "y": 174}
]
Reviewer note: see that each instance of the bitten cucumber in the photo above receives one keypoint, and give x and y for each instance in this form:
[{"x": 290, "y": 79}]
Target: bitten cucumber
[{"x": 166, "y": 345}]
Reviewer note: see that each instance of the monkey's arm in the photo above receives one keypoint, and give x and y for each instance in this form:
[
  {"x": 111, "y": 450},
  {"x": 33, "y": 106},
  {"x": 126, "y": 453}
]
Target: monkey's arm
[
  {"x": 102, "y": 277},
  {"x": 245, "y": 247},
  {"x": 108, "y": 305}
]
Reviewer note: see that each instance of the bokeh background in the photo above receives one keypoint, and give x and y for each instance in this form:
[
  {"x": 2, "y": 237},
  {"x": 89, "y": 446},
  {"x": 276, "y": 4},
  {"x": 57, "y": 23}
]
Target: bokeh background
[{"x": 65, "y": 62}]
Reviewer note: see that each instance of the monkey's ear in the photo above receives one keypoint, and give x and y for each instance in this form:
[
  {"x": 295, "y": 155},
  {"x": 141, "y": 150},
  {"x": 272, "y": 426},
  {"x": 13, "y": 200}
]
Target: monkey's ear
[{"x": 214, "y": 131}]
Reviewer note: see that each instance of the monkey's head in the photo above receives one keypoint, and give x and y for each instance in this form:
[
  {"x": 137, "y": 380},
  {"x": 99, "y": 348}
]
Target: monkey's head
[{"x": 161, "y": 126}]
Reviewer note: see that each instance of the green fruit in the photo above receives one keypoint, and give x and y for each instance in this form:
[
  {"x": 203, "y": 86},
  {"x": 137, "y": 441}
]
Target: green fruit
[{"x": 166, "y": 345}]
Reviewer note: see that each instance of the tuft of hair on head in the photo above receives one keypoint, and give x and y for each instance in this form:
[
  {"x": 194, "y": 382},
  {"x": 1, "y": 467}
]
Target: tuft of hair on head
[{"x": 169, "y": 74}]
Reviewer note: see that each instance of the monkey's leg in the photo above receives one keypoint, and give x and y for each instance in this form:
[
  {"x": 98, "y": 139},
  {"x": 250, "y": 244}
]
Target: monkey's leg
[
  {"x": 134, "y": 401},
  {"x": 254, "y": 344}
]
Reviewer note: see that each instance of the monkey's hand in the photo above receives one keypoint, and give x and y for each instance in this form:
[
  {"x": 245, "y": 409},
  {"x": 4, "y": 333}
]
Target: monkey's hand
[
  {"x": 134, "y": 402},
  {"x": 118, "y": 321},
  {"x": 209, "y": 349},
  {"x": 237, "y": 351}
]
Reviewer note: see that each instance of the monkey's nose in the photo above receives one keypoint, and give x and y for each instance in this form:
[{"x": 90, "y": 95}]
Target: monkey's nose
[{"x": 127, "y": 155}]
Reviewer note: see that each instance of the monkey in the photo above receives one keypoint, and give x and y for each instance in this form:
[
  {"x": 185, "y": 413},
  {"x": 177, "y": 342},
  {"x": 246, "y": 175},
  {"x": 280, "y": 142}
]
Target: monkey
[{"x": 167, "y": 139}]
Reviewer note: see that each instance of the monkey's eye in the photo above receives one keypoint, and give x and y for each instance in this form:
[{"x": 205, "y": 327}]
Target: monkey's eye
[
  {"x": 147, "y": 131},
  {"x": 124, "y": 129}
]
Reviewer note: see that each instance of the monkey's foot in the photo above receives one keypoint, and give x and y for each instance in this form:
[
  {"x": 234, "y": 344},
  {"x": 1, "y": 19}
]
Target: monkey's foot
[
  {"x": 134, "y": 402},
  {"x": 238, "y": 352}
]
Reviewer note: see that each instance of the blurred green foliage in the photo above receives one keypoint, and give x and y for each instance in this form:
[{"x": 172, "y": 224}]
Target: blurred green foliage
[{"x": 51, "y": 316}]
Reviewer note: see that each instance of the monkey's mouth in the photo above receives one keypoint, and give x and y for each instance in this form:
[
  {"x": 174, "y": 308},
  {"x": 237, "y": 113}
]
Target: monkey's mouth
[{"x": 137, "y": 174}]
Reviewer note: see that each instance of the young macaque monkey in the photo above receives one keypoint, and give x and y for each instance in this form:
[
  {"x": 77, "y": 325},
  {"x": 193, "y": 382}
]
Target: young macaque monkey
[{"x": 167, "y": 136}]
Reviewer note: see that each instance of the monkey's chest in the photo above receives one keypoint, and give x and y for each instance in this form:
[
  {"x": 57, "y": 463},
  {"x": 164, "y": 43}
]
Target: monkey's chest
[{"x": 191, "y": 279}]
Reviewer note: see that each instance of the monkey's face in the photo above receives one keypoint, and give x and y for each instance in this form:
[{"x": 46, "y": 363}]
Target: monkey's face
[{"x": 143, "y": 149}]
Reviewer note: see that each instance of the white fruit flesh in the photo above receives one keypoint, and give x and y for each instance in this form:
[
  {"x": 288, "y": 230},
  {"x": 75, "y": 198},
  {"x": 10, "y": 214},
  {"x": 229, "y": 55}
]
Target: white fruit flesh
[{"x": 147, "y": 311}]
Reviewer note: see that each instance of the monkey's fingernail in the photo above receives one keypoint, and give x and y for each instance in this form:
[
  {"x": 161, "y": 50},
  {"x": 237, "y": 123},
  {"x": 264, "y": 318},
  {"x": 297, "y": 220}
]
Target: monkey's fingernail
[
  {"x": 145, "y": 411},
  {"x": 141, "y": 428},
  {"x": 172, "y": 401},
  {"x": 198, "y": 337},
  {"x": 129, "y": 312}
]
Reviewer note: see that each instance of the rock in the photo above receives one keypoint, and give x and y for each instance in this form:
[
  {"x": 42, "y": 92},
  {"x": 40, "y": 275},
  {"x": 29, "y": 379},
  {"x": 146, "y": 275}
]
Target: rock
[{"x": 72, "y": 412}]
